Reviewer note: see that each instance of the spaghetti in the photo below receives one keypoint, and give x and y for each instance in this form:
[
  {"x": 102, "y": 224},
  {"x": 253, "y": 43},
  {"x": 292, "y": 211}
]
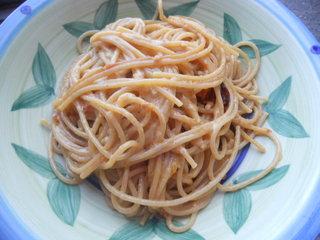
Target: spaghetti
[{"x": 157, "y": 110}]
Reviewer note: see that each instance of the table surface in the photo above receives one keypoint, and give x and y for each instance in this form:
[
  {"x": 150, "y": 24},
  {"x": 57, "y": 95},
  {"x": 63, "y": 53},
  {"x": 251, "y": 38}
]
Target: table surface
[{"x": 307, "y": 10}]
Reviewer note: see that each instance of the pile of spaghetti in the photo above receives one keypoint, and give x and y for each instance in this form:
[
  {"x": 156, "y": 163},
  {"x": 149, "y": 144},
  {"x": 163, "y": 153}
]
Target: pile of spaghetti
[{"x": 158, "y": 111}]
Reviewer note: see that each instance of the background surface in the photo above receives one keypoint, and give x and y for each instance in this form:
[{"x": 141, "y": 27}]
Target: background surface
[{"x": 308, "y": 11}]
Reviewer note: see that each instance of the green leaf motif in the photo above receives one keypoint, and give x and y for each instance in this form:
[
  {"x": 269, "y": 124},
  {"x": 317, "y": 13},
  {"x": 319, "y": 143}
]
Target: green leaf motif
[
  {"x": 279, "y": 96},
  {"x": 264, "y": 47},
  {"x": 106, "y": 13},
  {"x": 78, "y": 28},
  {"x": 236, "y": 208},
  {"x": 272, "y": 178},
  {"x": 43, "y": 70},
  {"x": 164, "y": 233},
  {"x": 231, "y": 30},
  {"x": 286, "y": 124},
  {"x": 183, "y": 9},
  {"x": 134, "y": 231},
  {"x": 33, "y": 97},
  {"x": 147, "y": 8},
  {"x": 64, "y": 200},
  {"x": 45, "y": 78},
  {"x": 34, "y": 161}
]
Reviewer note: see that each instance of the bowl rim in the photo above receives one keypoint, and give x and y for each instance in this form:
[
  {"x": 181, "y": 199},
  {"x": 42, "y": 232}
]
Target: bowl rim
[{"x": 305, "y": 226}]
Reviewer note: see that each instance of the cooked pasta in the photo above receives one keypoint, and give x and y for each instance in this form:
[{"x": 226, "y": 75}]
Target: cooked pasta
[{"x": 158, "y": 110}]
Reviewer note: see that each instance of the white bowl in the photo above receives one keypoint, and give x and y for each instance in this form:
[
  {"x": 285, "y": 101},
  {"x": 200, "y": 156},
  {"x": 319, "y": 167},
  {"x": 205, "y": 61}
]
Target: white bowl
[{"x": 35, "y": 205}]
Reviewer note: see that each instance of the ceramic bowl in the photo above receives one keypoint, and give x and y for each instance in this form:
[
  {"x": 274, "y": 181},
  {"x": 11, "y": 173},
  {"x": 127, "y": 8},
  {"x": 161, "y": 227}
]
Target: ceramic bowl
[{"x": 37, "y": 44}]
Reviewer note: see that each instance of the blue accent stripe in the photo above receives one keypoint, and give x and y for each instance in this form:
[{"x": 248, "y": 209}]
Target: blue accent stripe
[
  {"x": 11, "y": 225},
  {"x": 239, "y": 159}
]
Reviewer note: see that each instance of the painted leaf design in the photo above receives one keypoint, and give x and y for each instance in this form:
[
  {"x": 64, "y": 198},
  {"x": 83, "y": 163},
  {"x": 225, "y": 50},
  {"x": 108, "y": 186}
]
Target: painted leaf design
[
  {"x": 134, "y": 231},
  {"x": 147, "y": 8},
  {"x": 33, "y": 97},
  {"x": 34, "y": 161},
  {"x": 286, "y": 124},
  {"x": 264, "y": 47},
  {"x": 64, "y": 200},
  {"x": 279, "y": 96},
  {"x": 164, "y": 233},
  {"x": 78, "y": 28},
  {"x": 231, "y": 30},
  {"x": 183, "y": 9},
  {"x": 106, "y": 13},
  {"x": 272, "y": 178},
  {"x": 236, "y": 208},
  {"x": 42, "y": 69}
]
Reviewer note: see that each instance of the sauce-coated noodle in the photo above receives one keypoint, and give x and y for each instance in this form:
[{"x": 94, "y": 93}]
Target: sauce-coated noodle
[{"x": 157, "y": 110}]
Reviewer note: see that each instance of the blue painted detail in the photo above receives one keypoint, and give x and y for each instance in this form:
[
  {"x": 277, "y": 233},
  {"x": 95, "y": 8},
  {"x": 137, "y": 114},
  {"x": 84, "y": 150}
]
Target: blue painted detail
[
  {"x": 237, "y": 163},
  {"x": 315, "y": 49},
  {"x": 26, "y": 10},
  {"x": 94, "y": 181}
]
